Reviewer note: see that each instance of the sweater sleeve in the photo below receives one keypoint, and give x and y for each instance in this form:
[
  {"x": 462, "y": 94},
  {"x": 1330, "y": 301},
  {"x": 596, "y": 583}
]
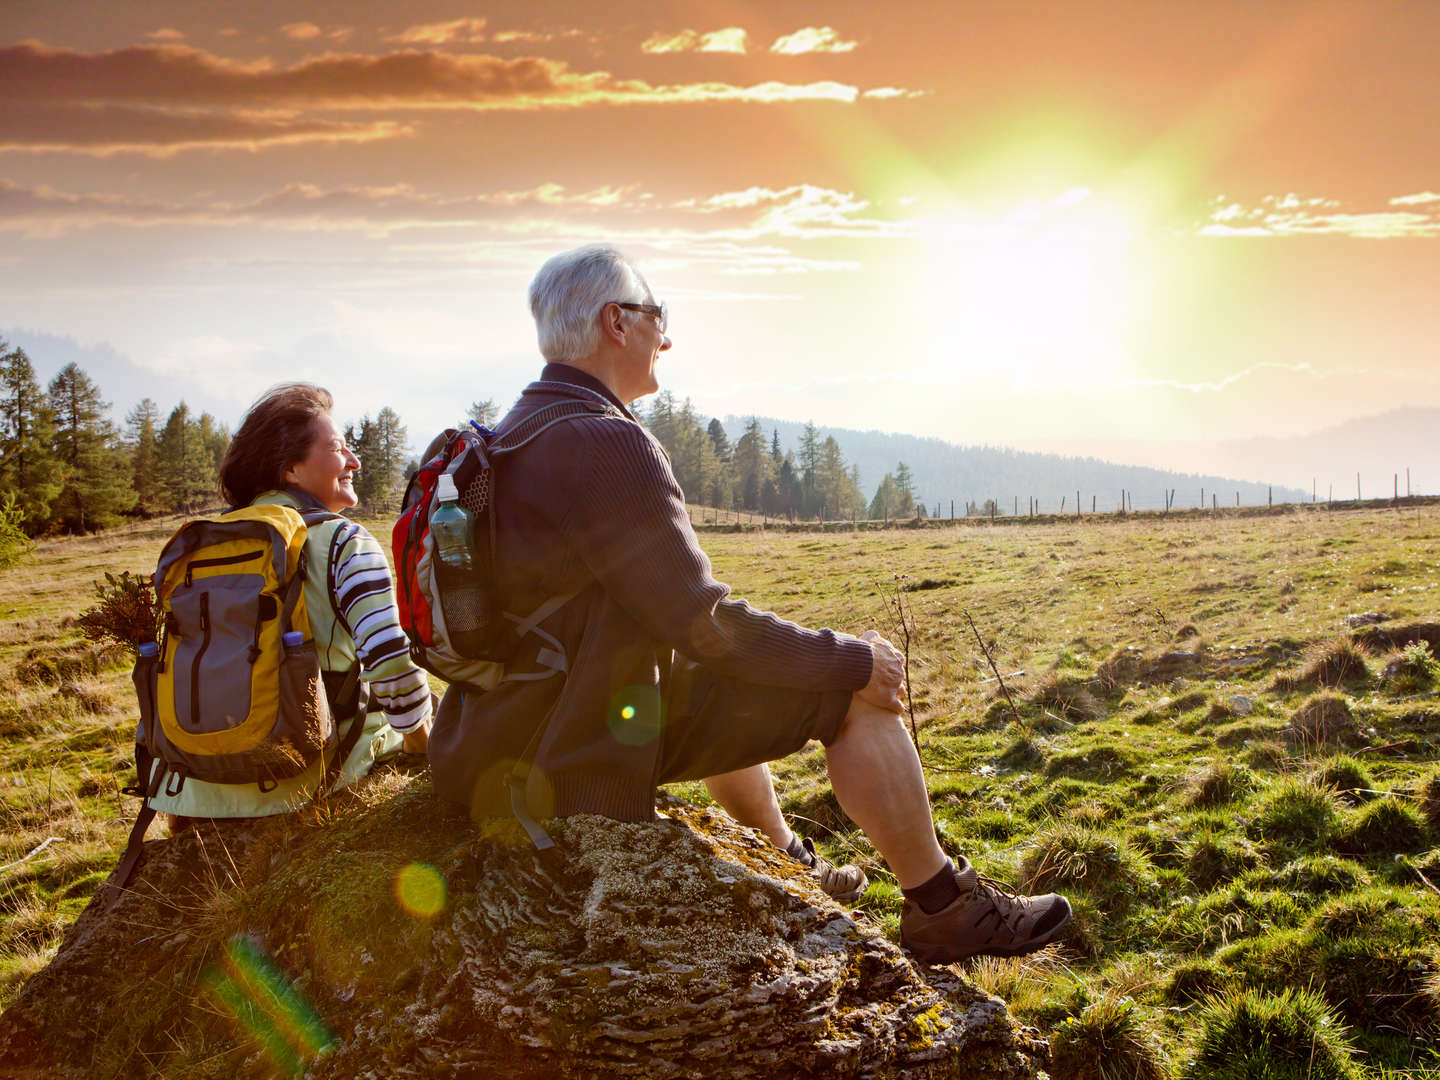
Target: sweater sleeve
[
  {"x": 364, "y": 596},
  {"x": 628, "y": 521}
]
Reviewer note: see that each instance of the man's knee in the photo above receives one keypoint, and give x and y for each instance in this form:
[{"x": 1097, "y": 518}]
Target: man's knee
[{"x": 865, "y": 718}]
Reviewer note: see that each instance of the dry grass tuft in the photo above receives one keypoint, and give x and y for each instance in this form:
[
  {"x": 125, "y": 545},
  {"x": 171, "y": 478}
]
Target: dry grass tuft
[
  {"x": 1065, "y": 697},
  {"x": 1338, "y": 661},
  {"x": 1323, "y": 719}
]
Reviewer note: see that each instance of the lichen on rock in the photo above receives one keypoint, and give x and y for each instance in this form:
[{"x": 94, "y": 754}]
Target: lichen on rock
[{"x": 683, "y": 947}]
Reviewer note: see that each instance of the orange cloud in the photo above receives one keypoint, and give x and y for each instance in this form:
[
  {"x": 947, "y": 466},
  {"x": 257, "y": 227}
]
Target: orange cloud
[
  {"x": 301, "y": 31},
  {"x": 102, "y": 130},
  {"x": 729, "y": 39},
  {"x": 812, "y": 39},
  {"x": 456, "y": 31},
  {"x": 166, "y": 33},
  {"x": 183, "y": 77}
]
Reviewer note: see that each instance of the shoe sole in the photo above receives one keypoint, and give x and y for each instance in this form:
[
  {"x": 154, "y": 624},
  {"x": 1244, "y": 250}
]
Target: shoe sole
[{"x": 944, "y": 954}]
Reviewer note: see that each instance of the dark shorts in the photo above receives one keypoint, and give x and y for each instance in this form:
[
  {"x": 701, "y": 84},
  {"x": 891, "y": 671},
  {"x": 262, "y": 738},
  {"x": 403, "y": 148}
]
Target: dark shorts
[{"x": 714, "y": 724}]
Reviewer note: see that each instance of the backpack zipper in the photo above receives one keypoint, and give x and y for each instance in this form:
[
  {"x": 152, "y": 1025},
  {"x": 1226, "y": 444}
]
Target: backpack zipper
[
  {"x": 226, "y": 560},
  {"x": 199, "y": 654}
]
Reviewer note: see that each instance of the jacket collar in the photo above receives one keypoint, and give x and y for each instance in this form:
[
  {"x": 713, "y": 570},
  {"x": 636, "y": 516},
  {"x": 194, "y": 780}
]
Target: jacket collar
[{"x": 564, "y": 373}]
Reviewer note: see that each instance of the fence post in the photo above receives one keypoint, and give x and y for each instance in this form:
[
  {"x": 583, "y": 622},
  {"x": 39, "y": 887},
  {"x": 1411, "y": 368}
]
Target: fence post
[{"x": 1357, "y": 487}]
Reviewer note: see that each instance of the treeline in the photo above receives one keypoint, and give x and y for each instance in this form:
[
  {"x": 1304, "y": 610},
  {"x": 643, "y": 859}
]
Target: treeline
[
  {"x": 756, "y": 473},
  {"x": 65, "y": 468}
]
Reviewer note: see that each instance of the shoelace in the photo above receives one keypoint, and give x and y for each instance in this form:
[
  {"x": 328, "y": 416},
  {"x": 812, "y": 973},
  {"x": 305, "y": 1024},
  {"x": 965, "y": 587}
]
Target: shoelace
[
  {"x": 828, "y": 873},
  {"x": 989, "y": 888}
]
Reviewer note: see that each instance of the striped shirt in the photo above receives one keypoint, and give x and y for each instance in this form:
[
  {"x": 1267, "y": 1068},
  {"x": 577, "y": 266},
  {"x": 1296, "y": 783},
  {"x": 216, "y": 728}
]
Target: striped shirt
[{"x": 353, "y": 615}]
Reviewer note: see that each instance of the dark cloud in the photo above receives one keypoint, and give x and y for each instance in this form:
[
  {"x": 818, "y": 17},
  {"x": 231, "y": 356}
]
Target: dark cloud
[{"x": 107, "y": 129}]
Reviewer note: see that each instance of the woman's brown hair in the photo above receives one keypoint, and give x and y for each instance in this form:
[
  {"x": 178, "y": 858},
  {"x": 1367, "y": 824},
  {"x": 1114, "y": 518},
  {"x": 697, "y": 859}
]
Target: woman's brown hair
[{"x": 275, "y": 433}]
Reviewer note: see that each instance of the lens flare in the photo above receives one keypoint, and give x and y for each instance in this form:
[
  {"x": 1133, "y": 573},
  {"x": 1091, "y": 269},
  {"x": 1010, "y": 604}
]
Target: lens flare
[
  {"x": 248, "y": 985},
  {"x": 636, "y": 715},
  {"x": 420, "y": 890}
]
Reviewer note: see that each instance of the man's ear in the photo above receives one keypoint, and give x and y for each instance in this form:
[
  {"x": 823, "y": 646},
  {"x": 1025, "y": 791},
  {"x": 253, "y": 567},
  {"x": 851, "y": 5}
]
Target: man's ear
[{"x": 612, "y": 321}]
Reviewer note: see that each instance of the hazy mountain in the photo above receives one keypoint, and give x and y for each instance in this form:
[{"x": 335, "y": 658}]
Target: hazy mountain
[
  {"x": 944, "y": 472},
  {"x": 1380, "y": 448}
]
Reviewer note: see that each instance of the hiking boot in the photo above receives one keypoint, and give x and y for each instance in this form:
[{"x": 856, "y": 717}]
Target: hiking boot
[
  {"x": 988, "y": 918},
  {"x": 843, "y": 884}
]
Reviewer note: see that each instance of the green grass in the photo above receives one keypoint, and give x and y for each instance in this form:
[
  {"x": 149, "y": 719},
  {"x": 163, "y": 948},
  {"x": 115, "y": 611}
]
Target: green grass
[{"x": 1245, "y": 864}]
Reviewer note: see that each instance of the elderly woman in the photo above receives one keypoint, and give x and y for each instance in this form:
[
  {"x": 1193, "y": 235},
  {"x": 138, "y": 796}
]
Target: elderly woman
[{"x": 289, "y": 451}]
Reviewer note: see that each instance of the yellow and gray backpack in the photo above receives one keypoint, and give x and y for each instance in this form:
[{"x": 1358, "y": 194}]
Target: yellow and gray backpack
[{"x": 233, "y": 693}]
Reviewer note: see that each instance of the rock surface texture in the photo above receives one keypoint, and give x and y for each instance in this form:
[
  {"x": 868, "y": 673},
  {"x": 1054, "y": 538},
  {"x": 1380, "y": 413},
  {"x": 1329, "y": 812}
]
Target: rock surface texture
[{"x": 686, "y": 947}]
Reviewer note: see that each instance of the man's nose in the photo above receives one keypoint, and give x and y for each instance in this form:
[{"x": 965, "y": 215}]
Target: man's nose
[{"x": 664, "y": 342}]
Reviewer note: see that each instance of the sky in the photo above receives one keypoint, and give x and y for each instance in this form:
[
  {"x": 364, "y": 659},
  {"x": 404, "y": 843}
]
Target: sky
[{"x": 987, "y": 222}]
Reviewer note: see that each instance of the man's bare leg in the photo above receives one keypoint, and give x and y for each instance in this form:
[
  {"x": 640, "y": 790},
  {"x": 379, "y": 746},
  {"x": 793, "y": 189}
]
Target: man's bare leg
[
  {"x": 748, "y": 795},
  {"x": 878, "y": 781}
]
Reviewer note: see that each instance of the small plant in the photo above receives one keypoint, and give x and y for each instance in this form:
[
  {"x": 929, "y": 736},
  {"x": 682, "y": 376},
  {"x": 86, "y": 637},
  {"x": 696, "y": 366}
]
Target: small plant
[
  {"x": 1291, "y": 1035},
  {"x": 1218, "y": 856},
  {"x": 125, "y": 613},
  {"x": 14, "y": 544},
  {"x": 1336, "y": 662},
  {"x": 1109, "y": 1040},
  {"x": 1413, "y": 669}
]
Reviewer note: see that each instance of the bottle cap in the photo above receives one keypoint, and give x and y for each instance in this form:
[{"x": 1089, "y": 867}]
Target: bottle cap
[
  {"x": 149, "y": 649},
  {"x": 292, "y": 638},
  {"x": 445, "y": 488}
]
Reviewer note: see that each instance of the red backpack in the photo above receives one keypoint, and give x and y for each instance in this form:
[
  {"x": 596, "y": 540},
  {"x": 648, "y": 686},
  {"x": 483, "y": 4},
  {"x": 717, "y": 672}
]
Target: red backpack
[{"x": 453, "y": 617}]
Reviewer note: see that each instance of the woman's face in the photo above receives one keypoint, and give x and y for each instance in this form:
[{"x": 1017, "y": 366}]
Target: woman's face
[{"x": 327, "y": 471}]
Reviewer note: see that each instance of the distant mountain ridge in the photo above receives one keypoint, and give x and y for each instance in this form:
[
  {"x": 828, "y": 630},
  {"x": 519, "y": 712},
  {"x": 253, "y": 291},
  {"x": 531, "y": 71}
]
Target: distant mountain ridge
[
  {"x": 1380, "y": 448},
  {"x": 944, "y": 471}
]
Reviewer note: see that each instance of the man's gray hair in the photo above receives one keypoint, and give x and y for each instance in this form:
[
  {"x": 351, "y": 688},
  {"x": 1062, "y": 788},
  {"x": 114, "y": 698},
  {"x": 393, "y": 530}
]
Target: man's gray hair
[{"x": 569, "y": 292}]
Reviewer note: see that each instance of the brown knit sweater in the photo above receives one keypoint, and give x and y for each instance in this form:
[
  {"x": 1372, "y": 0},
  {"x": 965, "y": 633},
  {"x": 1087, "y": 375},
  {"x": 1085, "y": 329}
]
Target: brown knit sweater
[{"x": 592, "y": 507}]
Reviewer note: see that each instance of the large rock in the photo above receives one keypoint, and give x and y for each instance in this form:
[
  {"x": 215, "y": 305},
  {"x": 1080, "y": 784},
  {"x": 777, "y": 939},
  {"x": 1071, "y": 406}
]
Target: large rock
[{"x": 686, "y": 947}]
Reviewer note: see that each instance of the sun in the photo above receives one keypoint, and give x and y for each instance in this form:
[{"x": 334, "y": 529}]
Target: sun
[{"x": 1046, "y": 295}]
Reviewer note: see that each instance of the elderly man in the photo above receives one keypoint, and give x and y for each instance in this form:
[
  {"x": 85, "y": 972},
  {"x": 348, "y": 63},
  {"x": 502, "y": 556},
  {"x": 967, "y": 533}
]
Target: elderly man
[{"x": 667, "y": 677}]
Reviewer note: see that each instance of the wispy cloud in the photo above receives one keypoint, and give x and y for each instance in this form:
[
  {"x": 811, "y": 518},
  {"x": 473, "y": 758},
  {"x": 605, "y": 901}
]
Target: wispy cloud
[
  {"x": 301, "y": 31},
  {"x": 165, "y": 33},
  {"x": 150, "y": 91},
  {"x": 1293, "y": 215},
  {"x": 729, "y": 39},
  {"x": 456, "y": 31},
  {"x": 102, "y": 130},
  {"x": 813, "y": 39},
  {"x": 1307, "y": 370}
]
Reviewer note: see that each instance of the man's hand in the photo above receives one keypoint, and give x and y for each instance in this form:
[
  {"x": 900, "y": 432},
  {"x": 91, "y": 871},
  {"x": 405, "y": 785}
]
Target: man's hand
[{"x": 887, "y": 671}]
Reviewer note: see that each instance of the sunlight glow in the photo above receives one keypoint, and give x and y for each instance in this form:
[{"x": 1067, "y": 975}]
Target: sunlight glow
[{"x": 1044, "y": 295}]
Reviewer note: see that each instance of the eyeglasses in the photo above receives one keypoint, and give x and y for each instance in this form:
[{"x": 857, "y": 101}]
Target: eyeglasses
[{"x": 660, "y": 312}]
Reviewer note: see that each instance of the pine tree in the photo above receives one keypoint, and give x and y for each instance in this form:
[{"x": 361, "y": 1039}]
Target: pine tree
[
  {"x": 387, "y": 464},
  {"x": 96, "y": 485},
  {"x": 750, "y": 461},
  {"x": 185, "y": 465},
  {"x": 361, "y": 442},
  {"x": 141, "y": 435},
  {"x": 905, "y": 483},
  {"x": 719, "y": 440},
  {"x": 29, "y": 469},
  {"x": 484, "y": 413}
]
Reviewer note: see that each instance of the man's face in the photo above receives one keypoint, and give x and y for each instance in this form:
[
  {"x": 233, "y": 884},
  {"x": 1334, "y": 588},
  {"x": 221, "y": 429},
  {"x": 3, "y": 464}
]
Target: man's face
[{"x": 645, "y": 343}]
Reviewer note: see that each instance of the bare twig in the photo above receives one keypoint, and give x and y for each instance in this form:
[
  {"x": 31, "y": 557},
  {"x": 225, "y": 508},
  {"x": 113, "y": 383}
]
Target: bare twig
[
  {"x": 991, "y": 660},
  {"x": 906, "y": 619},
  {"x": 32, "y": 852},
  {"x": 1429, "y": 884}
]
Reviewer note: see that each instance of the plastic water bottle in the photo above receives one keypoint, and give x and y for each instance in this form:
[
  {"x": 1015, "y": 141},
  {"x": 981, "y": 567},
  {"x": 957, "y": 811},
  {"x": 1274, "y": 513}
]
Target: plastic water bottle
[{"x": 451, "y": 526}]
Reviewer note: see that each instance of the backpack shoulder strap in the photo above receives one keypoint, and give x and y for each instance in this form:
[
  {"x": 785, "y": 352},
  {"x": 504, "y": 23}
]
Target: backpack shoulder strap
[{"x": 548, "y": 416}]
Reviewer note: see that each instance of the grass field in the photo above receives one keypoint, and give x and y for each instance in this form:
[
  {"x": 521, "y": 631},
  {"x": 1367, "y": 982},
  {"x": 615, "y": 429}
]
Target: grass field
[{"x": 1234, "y": 783}]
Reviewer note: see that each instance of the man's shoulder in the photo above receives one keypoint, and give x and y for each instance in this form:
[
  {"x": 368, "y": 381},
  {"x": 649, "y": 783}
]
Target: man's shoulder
[{"x": 577, "y": 411}]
